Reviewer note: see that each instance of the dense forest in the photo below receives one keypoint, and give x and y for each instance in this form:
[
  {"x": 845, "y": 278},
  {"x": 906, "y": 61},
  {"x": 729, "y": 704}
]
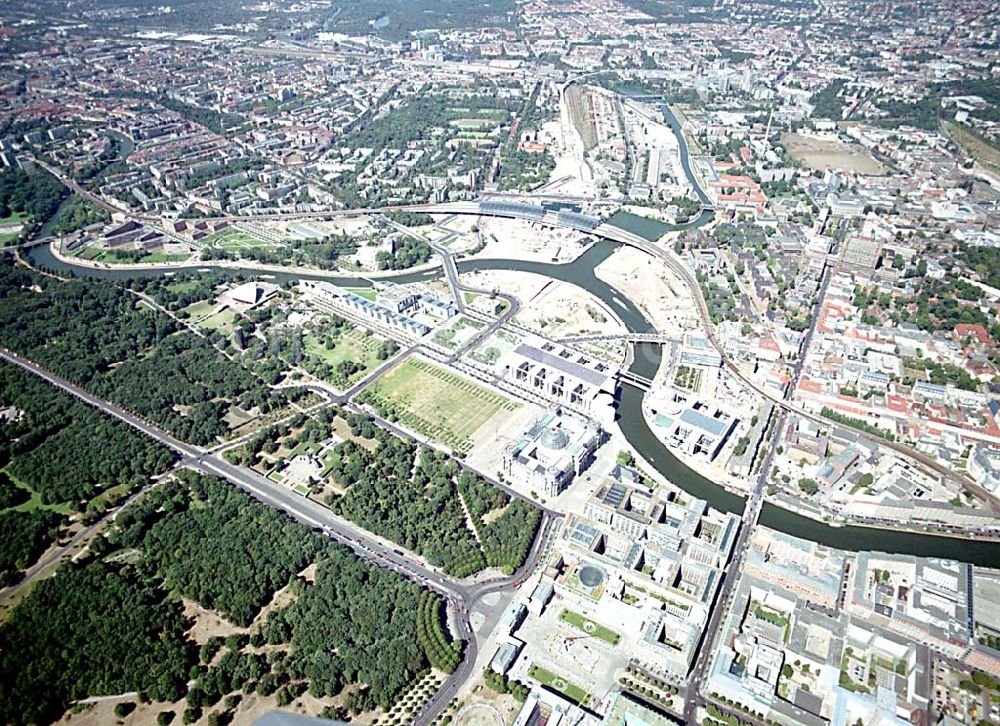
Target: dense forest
[
  {"x": 409, "y": 497},
  {"x": 184, "y": 288},
  {"x": 985, "y": 261},
  {"x": 507, "y": 540},
  {"x": 24, "y": 535},
  {"x": 418, "y": 498},
  {"x": 406, "y": 253},
  {"x": 66, "y": 452},
  {"x": 109, "y": 625},
  {"x": 827, "y": 102},
  {"x": 322, "y": 253},
  {"x": 37, "y": 194},
  {"x": 415, "y": 497},
  {"x": 98, "y": 335},
  {"x": 91, "y": 453},
  {"x": 94, "y": 628},
  {"x": 443, "y": 653},
  {"x": 76, "y": 214},
  {"x": 189, "y": 532}
]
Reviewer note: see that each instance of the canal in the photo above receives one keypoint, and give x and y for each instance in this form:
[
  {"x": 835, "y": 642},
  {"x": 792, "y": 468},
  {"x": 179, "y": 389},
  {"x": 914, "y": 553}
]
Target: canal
[{"x": 633, "y": 425}]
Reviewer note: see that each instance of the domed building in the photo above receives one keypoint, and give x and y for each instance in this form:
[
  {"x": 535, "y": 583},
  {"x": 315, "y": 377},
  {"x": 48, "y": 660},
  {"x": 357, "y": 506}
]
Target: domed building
[{"x": 554, "y": 449}]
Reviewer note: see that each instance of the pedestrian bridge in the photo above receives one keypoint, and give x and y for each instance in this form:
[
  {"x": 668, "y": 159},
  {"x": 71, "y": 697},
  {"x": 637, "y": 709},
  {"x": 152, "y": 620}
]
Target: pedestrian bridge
[
  {"x": 634, "y": 379},
  {"x": 628, "y": 337}
]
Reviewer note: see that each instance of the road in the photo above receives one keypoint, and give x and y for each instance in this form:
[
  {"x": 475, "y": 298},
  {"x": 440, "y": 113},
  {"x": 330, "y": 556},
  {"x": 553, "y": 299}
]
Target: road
[
  {"x": 751, "y": 515},
  {"x": 462, "y": 596},
  {"x": 680, "y": 269},
  {"x": 450, "y": 271}
]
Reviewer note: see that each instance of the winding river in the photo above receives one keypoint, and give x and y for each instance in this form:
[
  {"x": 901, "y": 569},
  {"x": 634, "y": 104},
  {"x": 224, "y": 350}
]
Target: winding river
[
  {"x": 580, "y": 272},
  {"x": 646, "y": 361}
]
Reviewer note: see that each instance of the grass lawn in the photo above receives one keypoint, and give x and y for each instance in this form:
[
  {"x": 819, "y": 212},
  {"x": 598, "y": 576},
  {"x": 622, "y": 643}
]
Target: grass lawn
[
  {"x": 199, "y": 309},
  {"x": 352, "y": 345},
  {"x": 590, "y": 627},
  {"x": 163, "y": 257},
  {"x": 435, "y": 402},
  {"x": 222, "y": 321},
  {"x": 235, "y": 239},
  {"x": 15, "y": 218},
  {"x": 96, "y": 254},
  {"x": 367, "y": 293},
  {"x": 182, "y": 286},
  {"x": 89, "y": 253},
  {"x": 36, "y": 499},
  {"x": 557, "y": 683}
]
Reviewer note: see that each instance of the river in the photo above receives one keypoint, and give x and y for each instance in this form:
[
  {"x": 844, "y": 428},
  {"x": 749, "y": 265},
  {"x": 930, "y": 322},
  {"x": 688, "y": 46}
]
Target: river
[{"x": 633, "y": 425}]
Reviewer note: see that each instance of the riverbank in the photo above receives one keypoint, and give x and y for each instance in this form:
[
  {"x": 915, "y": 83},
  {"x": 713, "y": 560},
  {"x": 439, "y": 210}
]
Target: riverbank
[
  {"x": 633, "y": 426},
  {"x": 195, "y": 263}
]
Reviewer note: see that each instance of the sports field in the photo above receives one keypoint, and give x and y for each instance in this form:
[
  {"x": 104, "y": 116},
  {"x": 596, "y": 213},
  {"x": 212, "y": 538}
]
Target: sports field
[
  {"x": 589, "y": 627},
  {"x": 435, "y": 402},
  {"x": 557, "y": 683}
]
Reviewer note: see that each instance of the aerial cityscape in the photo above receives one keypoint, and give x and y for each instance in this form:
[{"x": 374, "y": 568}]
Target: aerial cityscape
[{"x": 500, "y": 363}]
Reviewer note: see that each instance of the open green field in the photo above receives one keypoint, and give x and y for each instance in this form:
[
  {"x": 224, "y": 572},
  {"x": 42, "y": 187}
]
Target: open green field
[
  {"x": 235, "y": 239},
  {"x": 35, "y": 502},
  {"x": 200, "y": 309},
  {"x": 15, "y": 218},
  {"x": 435, "y": 402},
  {"x": 557, "y": 683},
  {"x": 368, "y": 293},
  {"x": 182, "y": 286},
  {"x": 472, "y": 124},
  {"x": 589, "y": 627},
  {"x": 222, "y": 321}
]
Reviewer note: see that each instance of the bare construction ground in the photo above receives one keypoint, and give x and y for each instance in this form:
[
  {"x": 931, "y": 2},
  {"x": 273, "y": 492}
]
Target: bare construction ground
[{"x": 830, "y": 153}]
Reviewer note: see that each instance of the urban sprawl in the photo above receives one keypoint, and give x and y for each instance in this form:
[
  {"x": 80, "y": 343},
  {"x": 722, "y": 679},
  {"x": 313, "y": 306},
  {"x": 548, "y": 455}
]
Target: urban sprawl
[{"x": 565, "y": 362}]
